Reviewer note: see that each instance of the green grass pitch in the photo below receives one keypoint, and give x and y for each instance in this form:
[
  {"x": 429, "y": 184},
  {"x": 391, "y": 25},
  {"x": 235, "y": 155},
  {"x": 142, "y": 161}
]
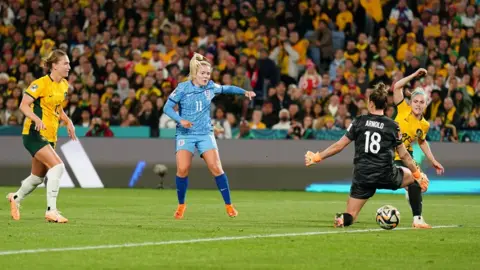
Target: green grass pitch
[{"x": 105, "y": 217}]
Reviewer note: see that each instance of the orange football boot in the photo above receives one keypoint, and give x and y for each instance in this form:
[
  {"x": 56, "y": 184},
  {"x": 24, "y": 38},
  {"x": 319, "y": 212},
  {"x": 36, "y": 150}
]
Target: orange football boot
[
  {"x": 231, "y": 211},
  {"x": 180, "y": 210},
  {"x": 14, "y": 207}
]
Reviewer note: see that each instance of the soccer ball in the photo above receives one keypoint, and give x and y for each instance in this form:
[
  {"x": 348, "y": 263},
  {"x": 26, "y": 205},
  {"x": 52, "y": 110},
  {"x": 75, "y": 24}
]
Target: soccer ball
[{"x": 388, "y": 217}]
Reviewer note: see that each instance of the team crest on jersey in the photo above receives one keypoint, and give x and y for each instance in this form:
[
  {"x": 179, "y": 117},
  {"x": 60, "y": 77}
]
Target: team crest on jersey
[
  {"x": 419, "y": 133},
  {"x": 181, "y": 142},
  {"x": 208, "y": 93},
  {"x": 34, "y": 88}
]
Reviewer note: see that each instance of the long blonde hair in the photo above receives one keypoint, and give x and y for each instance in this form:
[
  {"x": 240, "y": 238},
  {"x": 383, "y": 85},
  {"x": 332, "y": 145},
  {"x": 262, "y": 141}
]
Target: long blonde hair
[{"x": 195, "y": 63}]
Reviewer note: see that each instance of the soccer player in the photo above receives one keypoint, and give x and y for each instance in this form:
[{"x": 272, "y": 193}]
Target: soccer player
[
  {"x": 376, "y": 137},
  {"x": 414, "y": 128},
  {"x": 194, "y": 128},
  {"x": 42, "y": 105}
]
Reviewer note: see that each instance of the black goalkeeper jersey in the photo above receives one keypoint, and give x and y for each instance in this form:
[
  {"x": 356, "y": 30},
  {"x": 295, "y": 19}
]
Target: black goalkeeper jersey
[{"x": 376, "y": 138}]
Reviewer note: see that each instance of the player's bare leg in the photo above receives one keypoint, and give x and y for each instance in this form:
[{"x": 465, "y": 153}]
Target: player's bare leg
[
  {"x": 56, "y": 168},
  {"x": 212, "y": 158},
  {"x": 415, "y": 197},
  {"x": 353, "y": 209},
  {"x": 29, "y": 184},
  {"x": 184, "y": 162}
]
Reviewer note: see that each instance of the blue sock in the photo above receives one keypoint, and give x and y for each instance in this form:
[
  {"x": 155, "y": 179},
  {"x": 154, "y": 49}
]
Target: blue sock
[
  {"x": 182, "y": 184},
  {"x": 222, "y": 184}
]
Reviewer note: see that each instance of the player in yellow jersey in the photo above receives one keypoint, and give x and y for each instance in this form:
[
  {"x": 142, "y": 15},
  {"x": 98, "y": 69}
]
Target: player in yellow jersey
[
  {"x": 42, "y": 105},
  {"x": 414, "y": 127}
]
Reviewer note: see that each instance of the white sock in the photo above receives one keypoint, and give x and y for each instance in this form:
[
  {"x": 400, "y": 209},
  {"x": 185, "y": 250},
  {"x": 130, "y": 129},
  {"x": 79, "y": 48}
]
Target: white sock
[
  {"x": 53, "y": 184},
  {"x": 29, "y": 184},
  {"x": 418, "y": 219}
]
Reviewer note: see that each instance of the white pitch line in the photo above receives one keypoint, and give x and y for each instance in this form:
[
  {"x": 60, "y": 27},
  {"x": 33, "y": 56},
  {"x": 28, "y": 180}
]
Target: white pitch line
[{"x": 200, "y": 240}]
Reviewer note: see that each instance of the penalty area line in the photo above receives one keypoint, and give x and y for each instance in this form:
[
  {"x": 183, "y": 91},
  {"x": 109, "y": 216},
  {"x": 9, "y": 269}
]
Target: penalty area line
[{"x": 201, "y": 240}]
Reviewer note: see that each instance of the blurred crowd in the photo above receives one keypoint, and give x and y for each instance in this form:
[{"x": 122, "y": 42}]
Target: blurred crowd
[{"x": 311, "y": 63}]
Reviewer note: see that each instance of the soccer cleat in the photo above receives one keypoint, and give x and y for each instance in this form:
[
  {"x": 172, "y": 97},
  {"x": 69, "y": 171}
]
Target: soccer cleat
[
  {"x": 338, "y": 223},
  {"x": 419, "y": 223},
  {"x": 180, "y": 210},
  {"x": 55, "y": 216},
  {"x": 14, "y": 207},
  {"x": 231, "y": 211}
]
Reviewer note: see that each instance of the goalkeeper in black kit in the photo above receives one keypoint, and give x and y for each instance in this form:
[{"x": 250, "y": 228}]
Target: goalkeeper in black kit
[{"x": 376, "y": 138}]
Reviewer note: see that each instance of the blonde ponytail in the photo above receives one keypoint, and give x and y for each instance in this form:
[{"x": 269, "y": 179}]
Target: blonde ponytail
[{"x": 197, "y": 61}]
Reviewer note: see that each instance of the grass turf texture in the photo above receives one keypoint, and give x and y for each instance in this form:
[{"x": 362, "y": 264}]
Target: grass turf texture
[{"x": 116, "y": 216}]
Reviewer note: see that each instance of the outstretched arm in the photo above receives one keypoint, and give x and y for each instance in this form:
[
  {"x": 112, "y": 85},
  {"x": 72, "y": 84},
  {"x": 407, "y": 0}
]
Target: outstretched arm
[
  {"x": 312, "y": 158},
  {"x": 398, "y": 86},
  {"x": 231, "y": 89},
  {"x": 335, "y": 148}
]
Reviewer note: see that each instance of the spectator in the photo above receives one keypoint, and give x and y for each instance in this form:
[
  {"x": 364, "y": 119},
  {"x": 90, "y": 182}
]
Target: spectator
[
  {"x": 450, "y": 116},
  {"x": 256, "y": 122},
  {"x": 99, "y": 129},
  {"x": 280, "y": 100},
  {"x": 84, "y": 120},
  {"x": 221, "y": 127},
  {"x": 11, "y": 115},
  {"x": 284, "y": 123},
  {"x": 435, "y": 108},
  {"x": 147, "y": 116},
  {"x": 311, "y": 79},
  {"x": 245, "y": 131}
]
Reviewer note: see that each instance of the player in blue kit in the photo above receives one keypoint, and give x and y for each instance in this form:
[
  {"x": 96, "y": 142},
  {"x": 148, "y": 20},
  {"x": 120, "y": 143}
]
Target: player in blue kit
[{"x": 195, "y": 130}]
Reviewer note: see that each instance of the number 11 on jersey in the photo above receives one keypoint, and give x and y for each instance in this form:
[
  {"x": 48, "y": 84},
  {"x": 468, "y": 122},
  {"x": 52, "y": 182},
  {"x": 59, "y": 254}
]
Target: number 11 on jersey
[
  {"x": 372, "y": 143},
  {"x": 198, "y": 105}
]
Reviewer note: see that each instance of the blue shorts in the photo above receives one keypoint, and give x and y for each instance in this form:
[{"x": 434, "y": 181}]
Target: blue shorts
[{"x": 202, "y": 143}]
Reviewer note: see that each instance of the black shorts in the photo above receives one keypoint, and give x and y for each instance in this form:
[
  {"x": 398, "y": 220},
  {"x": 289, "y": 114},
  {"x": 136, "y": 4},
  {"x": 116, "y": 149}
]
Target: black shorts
[{"x": 364, "y": 190}]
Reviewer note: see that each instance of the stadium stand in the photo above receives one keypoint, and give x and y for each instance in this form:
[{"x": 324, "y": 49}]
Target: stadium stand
[{"x": 311, "y": 63}]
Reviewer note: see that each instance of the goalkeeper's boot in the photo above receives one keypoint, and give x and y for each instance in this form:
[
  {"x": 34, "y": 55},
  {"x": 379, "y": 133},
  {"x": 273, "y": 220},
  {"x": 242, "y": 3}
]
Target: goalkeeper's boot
[
  {"x": 338, "y": 222},
  {"x": 231, "y": 211},
  {"x": 419, "y": 223},
  {"x": 55, "y": 216},
  {"x": 14, "y": 206},
  {"x": 180, "y": 210}
]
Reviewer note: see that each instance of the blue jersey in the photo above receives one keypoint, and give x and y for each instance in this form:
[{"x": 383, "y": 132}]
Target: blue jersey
[{"x": 194, "y": 105}]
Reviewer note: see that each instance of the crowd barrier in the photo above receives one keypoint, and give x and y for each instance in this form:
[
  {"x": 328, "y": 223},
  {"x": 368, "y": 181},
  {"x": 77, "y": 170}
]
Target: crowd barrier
[{"x": 250, "y": 164}]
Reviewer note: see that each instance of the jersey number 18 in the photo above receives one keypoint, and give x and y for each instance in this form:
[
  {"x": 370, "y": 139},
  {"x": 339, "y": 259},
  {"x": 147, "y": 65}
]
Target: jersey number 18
[{"x": 372, "y": 143}]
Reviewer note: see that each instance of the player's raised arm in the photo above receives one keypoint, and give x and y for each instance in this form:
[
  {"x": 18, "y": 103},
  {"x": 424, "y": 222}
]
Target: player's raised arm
[{"x": 398, "y": 86}]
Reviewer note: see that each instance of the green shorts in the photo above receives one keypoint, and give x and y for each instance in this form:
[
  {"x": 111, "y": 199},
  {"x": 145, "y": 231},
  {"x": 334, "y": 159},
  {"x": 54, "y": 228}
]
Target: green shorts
[
  {"x": 399, "y": 163},
  {"x": 34, "y": 142}
]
